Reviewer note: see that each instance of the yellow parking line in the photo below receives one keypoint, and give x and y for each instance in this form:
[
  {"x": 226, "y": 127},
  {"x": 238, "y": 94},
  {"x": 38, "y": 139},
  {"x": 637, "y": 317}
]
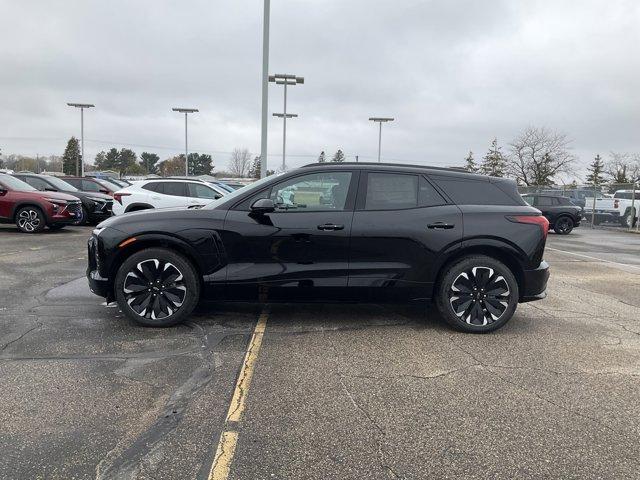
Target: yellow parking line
[{"x": 229, "y": 437}]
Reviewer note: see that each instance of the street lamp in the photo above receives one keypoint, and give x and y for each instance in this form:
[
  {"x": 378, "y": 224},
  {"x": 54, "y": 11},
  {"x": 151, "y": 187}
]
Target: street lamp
[
  {"x": 286, "y": 80},
  {"x": 380, "y": 121},
  {"x": 186, "y": 112},
  {"x": 81, "y": 106},
  {"x": 265, "y": 88}
]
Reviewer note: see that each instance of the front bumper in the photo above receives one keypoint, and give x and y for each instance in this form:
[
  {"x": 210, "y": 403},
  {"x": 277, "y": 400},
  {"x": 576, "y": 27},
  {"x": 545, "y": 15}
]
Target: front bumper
[
  {"x": 535, "y": 283},
  {"x": 97, "y": 284}
]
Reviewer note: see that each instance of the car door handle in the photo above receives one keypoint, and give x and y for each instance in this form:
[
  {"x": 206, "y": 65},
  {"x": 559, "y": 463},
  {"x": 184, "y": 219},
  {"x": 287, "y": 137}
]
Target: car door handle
[
  {"x": 330, "y": 226},
  {"x": 440, "y": 226}
]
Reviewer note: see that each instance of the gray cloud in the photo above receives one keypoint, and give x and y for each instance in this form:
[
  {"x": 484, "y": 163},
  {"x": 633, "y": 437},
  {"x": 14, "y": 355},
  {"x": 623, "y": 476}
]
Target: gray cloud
[{"x": 454, "y": 74}]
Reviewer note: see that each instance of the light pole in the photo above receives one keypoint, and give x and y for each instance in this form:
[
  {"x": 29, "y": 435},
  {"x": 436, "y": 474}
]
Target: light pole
[
  {"x": 380, "y": 121},
  {"x": 265, "y": 88},
  {"x": 81, "y": 106},
  {"x": 186, "y": 112},
  {"x": 286, "y": 80}
]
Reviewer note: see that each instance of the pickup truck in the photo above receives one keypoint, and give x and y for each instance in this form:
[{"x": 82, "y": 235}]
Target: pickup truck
[{"x": 622, "y": 208}]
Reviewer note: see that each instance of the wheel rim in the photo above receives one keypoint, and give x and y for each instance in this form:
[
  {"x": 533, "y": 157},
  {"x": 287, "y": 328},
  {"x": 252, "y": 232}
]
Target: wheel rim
[
  {"x": 563, "y": 224},
  {"x": 479, "y": 296},
  {"x": 154, "y": 289},
  {"x": 28, "y": 220}
]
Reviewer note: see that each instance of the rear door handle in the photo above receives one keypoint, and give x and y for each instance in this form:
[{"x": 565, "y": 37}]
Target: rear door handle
[
  {"x": 330, "y": 226},
  {"x": 440, "y": 226}
]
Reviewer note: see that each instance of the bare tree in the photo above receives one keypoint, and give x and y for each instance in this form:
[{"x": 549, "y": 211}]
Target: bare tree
[
  {"x": 622, "y": 167},
  {"x": 240, "y": 162},
  {"x": 537, "y": 155}
]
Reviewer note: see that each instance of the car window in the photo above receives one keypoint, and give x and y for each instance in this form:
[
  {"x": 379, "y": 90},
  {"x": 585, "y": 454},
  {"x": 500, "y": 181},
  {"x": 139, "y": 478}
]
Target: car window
[
  {"x": 89, "y": 186},
  {"x": 246, "y": 204},
  {"x": 177, "y": 189},
  {"x": 464, "y": 191},
  {"x": 389, "y": 191},
  {"x": 75, "y": 182},
  {"x": 36, "y": 182},
  {"x": 623, "y": 195},
  {"x": 198, "y": 190},
  {"x": 545, "y": 201},
  {"x": 154, "y": 187},
  {"x": 528, "y": 199},
  {"x": 428, "y": 196},
  {"x": 316, "y": 191}
]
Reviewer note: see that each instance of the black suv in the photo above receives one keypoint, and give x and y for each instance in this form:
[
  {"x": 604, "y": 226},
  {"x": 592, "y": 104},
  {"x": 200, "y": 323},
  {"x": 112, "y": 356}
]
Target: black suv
[
  {"x": 95, "y": 206},
  {"x": 562, "y": 213},
  {"x": 384, "y": 233}
]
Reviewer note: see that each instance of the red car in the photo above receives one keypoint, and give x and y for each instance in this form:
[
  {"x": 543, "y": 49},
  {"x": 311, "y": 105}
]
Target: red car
[{"x": 31, "y": 210}]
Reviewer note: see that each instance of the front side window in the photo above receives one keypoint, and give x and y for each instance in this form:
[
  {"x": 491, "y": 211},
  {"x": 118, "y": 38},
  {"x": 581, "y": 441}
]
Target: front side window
[
  {"x": 37, "y": 183},
  {"x": 391, "y": 191},
  {"x": 176, "y": 189},
  {"x": 89, "y": 186},
  {"x": 313, "y": 192},
  {"x": 198, "y": 190}
]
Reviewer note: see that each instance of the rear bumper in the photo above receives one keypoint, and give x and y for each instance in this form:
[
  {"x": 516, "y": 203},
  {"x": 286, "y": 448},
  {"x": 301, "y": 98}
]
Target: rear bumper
[{"x": 535, "y": 283}]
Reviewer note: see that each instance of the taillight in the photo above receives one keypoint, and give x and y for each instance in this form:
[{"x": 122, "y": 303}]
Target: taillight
[
  {"x": 534, "y": 220},
  {"x": 616, "y": 203},
  {"x": 118, "y": 197}
]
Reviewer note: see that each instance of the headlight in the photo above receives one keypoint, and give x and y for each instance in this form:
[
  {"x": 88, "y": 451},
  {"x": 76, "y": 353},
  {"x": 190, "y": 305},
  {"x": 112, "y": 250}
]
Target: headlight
[
  {"x": 56, "y": 201},
  {"x": 98, "y": 230}
]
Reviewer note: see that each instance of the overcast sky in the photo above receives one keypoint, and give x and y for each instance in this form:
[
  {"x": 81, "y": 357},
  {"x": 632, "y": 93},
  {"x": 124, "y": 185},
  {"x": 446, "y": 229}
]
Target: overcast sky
[{"x": 454, "y": 74}]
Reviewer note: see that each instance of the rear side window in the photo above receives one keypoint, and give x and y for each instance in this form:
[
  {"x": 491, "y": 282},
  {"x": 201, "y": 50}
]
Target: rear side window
[
  {"x": 75, "y": 182},
  {"x": 465, "y": 191},
  {"x": 177, "y": 189},
  {"x": 546, "y": 201},
  {"x": 154, "y": 187},
  {"x": 89, "y": 186},
  {"x": 390, "y": 191}
]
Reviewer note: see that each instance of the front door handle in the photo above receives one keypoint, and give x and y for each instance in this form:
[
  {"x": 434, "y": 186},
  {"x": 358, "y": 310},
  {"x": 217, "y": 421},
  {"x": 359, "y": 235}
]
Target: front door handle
[
  {"x": 330, "y": 226},
  {"x": 440, "y": 226}
]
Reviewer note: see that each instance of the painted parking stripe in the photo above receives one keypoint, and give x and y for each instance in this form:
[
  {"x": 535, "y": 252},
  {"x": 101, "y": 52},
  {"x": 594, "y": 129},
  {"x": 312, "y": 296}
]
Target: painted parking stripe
[
  {"x": 593, "y": 258},
  {"x": 229, "y": 436}
]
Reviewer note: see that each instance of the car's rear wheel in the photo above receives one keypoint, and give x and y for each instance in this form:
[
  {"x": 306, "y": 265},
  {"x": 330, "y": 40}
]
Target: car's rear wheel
[
  {"x": 30, "y": 220},
  {"x": 563, "y": 225},
  {"x": 477, "y": 294},
  {"x": 157, "y": 287},
  {"x": 629, "y": 218}
]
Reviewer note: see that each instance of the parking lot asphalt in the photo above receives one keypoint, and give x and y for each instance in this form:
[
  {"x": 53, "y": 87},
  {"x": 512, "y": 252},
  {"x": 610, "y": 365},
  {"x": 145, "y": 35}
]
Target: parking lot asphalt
[{"x": 337, "y": 391}]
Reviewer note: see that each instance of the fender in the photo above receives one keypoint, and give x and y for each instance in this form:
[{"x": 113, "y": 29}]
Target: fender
[
  {"x": 145, "y": 206},
  {"x": 30, "y": 203}
]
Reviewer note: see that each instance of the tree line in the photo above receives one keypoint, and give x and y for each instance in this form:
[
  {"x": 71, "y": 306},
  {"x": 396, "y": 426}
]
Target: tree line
[{"x": 537, "y": 156}]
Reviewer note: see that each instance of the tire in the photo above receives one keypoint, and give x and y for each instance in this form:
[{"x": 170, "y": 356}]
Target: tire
[
  {"x": 30, "y": 220},
  {"x": 481, "y": 314},
  {"x": 140, "y": 281},
  {"x": 85, "y": 217},
  {"x": 563, "y": 225},
  {"x": 629, "y": 219}
]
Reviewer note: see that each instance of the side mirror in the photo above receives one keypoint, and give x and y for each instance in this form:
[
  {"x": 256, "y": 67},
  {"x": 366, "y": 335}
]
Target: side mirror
[
  {"x": 3, "y": 191},
  {"x": 50, "y": 189},
  {"x": 263, "y": 205}
]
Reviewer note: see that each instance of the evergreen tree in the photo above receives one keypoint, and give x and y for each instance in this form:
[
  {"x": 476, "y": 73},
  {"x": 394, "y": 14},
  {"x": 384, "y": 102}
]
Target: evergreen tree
[
  {"x": 149, "y": 162},
  {"x": 494, "y": 163},
  {"x": 470, "y": 164},
  {"x": 112, "y": 160},
  {"x": 200, "y": 164},
  {"x": 100, "y": 161},
  {"x": 254, "y": 169},
  {"x": 338, "y": 157},
  {"x": 321, "y": 158},
  {"x": 71, "y": 157},
  {"x": 127, "y": 159}
]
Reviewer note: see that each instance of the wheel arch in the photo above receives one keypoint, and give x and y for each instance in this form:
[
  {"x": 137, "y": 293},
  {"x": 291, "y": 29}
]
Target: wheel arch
[
  {"x": 137, "y": 206},
  {"x": 29, "y": 203}
]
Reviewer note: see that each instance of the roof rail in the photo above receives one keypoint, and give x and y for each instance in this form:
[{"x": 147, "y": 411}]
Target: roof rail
[{"x": 426, "y": 167}]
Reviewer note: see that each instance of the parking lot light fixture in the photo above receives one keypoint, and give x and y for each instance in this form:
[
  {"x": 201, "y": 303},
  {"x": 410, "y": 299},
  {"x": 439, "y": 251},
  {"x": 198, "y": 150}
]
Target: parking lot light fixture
[
  {"x": 186, "y": 112},
  {"x": 380, "y": 121},
  {"x": 285, "y": 79},
  {"x": 81, "y": 106}
]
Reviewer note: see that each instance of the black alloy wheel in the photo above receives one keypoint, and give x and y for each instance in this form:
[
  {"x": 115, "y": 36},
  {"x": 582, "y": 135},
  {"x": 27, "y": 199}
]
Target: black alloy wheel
[
  {"x": 30, "y": 220},
  {"x": 478, "y": 294},
  {"x": 157, "y": 287},
  {"x": 563, "y": 225}
]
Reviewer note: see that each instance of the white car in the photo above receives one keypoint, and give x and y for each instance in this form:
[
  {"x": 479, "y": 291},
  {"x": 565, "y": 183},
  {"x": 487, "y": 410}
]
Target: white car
[{"x": 165, "y": 193}]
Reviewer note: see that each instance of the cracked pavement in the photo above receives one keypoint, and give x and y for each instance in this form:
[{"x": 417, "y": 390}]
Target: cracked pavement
[{"x": 339, "y": 391}]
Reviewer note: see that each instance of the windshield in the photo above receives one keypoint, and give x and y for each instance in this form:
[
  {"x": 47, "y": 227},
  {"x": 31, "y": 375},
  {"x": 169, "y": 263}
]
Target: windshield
[
  {"x": 111, "y": 186},
  {"x": 224, "y": 186},
  {"x": 61, "y": 184},
  {"x": 247, "y": 190},
  {"x": 15, "y": 184}
]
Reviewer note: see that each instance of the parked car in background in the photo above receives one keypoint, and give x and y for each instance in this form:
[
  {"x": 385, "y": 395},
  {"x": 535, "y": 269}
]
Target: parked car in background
[
  {"x": 562, "y": 213},
  {"x": 389, "y": 232},
  {"x": 165, "y": 193},
  {"x": 90, "y": 184},
  {"x": 32, "y": 210},
  {"x": 623, "y": 208},
  {"x": 96, "y": 206}
]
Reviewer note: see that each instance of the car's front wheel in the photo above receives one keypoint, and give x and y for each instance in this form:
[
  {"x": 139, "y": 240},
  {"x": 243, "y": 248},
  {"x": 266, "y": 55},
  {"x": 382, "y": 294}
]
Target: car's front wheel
[
  {"x": 157, "y": 287},
  {"x": 30, "y": 220},
  {"x": 563, "y": 225},
  {"x": 477, "y": 294}
]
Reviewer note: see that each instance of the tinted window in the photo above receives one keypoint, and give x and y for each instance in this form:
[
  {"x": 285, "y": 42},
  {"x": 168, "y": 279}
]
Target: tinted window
[
  {"x": 154, "y": 187},
  {"x": 528, "y": 199},
  {"x": 565, "y": 201},
  {"x": 623, "y": 195},
  {"x": 75, "y": 182},
  {"x": 89, "y": 186},
  {"x": 316, "y": 191},
  {"x": 198, "y": 190},
  {"x": 177, "y": 189},
  {"x": 36, "y": 182},
  {"x": 473, "y": 192},
  {"x": 546, "y": 202},
  {"x": 428, "y": 196},
  {"x": 389, "y": 191},
  {"x": 246, "y": 204}
]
